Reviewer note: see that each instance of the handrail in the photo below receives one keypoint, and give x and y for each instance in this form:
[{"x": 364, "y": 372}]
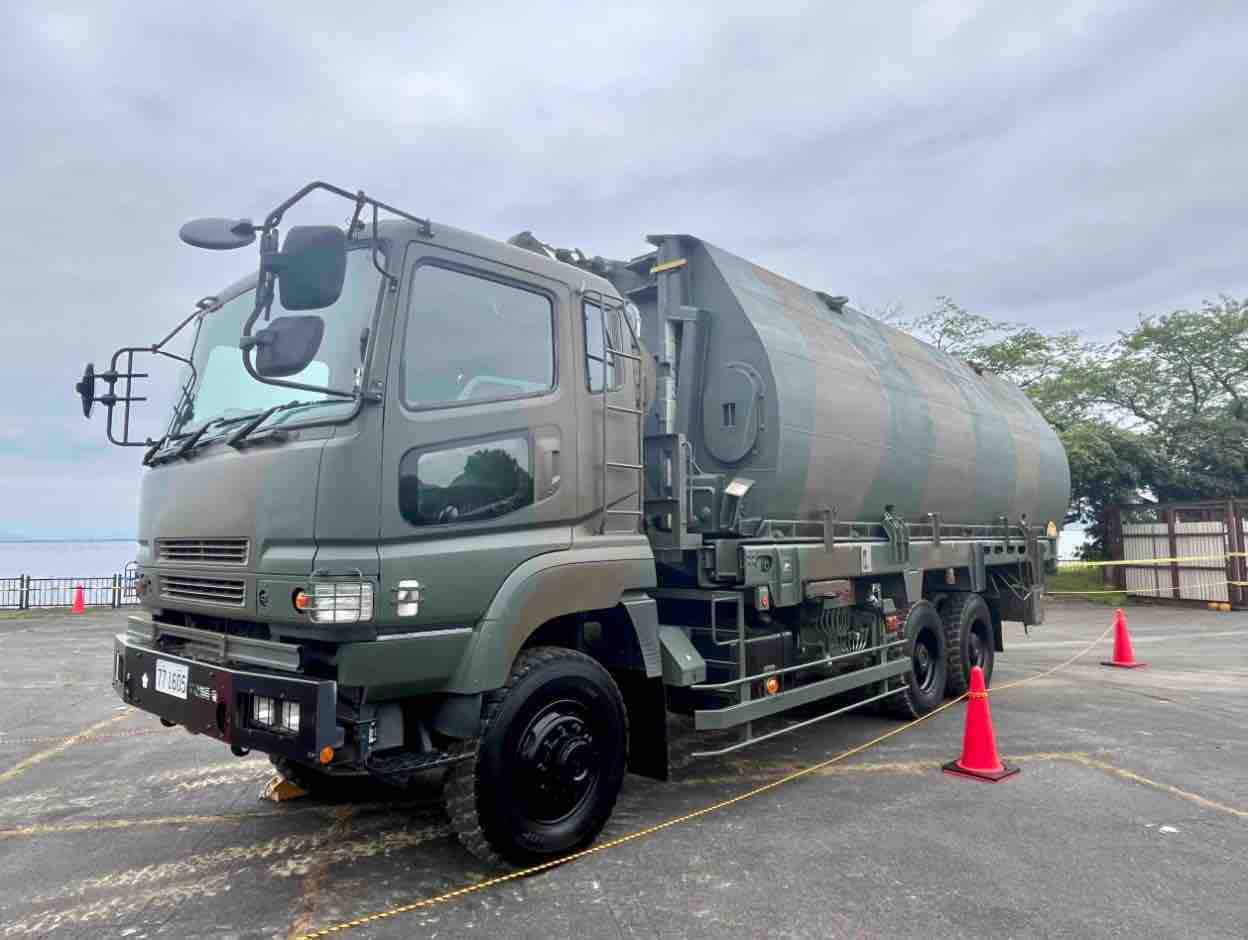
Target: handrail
[{"x": 611, "y": 305}]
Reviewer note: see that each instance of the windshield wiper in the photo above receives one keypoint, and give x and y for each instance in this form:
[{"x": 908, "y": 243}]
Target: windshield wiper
[
  {"x": 237, "y": 437},
  {"x": 253, "y": 420},
  {"x": 193, "y": 438},
  {"x": 234, "y": 439},
  {"x": 190, "y": 439}
]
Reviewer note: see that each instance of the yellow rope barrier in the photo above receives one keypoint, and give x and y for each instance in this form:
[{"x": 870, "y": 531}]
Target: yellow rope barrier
[{"x": 1146, "y": 562}]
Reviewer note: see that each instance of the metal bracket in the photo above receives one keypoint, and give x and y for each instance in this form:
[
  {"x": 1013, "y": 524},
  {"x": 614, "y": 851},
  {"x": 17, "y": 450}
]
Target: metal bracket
[
  {"x": 829, "y": 528},
  {"x": 898, "y": 534}
]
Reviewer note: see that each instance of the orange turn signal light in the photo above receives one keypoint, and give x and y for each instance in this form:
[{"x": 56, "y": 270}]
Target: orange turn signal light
[
  {"x": 300, "y": 599},
  {"x": 326, "y": 755},
  {"x": 772, "y": 685}
]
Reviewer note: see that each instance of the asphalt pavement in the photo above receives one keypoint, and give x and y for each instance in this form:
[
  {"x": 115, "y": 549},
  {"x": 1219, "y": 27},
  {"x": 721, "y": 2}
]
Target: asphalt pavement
[{"x": 1129, "y": 817}]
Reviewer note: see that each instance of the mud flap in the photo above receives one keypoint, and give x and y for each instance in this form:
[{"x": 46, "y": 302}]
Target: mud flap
[{"x": 645, "y": 699}]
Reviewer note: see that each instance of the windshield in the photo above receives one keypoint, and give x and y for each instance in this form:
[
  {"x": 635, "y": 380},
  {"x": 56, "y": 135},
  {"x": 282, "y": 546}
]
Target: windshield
[{"x": 225, "y": 390}]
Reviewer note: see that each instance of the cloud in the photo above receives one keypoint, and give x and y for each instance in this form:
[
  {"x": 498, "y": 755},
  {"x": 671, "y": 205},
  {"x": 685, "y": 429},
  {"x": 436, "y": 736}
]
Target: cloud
[{"x": 1067, "y": 165}]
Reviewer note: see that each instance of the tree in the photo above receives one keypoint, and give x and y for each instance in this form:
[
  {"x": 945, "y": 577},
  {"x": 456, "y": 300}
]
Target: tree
[
  {"x": 1181, "y": 379},
  {"x": 1162, "y": 409}
]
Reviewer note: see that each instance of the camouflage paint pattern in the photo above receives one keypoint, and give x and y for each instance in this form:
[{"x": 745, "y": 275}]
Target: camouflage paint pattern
[{"x": 859, "y": 415}]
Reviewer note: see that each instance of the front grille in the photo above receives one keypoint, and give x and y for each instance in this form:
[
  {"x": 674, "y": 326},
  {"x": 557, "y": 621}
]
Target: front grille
[
  {"x": 205, "y": 551},
  {"x": 223, "y": 591}
]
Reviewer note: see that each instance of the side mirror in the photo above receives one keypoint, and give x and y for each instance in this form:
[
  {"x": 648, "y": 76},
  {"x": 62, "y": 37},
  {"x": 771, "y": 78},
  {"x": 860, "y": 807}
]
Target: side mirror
[
  {"x": 86, "y": 389},
  {"x": 311, "y": 266},
  {"x": 218, "y": 234},
  {"x": 286, "y": 346}
]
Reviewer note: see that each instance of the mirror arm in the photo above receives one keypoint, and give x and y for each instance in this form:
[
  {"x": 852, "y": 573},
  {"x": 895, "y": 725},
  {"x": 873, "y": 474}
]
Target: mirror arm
[
  {"x": 274, "y": 218},
  {"x": 250, "y": 341},
  {"x": 392, "y": 282},
  {"x": 251, "y": 370}
]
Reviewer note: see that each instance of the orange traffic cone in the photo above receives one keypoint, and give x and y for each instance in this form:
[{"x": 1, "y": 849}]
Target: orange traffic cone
[
  {"x": 79, "y": 606},
  {"x": 1124, "y": 656},
  {"x": 979, "y": 759}
]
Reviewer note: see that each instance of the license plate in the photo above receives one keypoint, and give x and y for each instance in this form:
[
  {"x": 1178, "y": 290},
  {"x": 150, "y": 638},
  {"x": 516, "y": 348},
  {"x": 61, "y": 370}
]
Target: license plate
[{"x": 171, "y": 678}]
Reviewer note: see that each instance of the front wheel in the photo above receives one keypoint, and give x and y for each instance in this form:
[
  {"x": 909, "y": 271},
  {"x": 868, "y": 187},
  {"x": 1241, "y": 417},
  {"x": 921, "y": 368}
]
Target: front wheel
[
  {"x": 542, "y": 777},
  {"x": 924, "y": 686}
]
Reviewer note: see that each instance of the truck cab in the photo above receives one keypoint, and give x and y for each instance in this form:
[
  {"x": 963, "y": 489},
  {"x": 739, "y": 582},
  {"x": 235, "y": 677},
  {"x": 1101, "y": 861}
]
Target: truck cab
[{"x": 335, "y": 565}]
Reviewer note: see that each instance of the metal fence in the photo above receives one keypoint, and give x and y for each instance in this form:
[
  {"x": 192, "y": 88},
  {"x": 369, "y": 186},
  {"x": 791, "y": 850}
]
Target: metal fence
[
  {"x": 1192, "y": 551},
  {"x": 26, "y": 593}
]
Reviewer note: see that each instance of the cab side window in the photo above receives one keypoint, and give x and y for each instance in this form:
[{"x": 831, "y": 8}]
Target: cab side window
[
  {"x": 466, "y": 483},
  {"x": 471, "y": 338},
  {"x": 598, "y": 361}
]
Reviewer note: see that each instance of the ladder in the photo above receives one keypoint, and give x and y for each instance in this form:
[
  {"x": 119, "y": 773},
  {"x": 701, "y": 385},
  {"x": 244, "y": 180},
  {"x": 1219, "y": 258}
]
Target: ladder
[{"x": 634, "y": 463}]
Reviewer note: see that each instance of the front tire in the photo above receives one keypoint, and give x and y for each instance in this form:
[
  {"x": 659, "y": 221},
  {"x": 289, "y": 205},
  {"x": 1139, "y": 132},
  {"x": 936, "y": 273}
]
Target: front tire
[
  {"x": 543, "y": 775},
  {"x": 924, "y": 685},
  {"x": 968, "y": 639}
]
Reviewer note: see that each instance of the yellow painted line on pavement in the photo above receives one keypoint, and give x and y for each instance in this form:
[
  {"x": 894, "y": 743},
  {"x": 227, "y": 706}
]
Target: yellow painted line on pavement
[
  {"x": 146, "y": 822},
  {"x": 1158, "y": 785},
  {"x": 286, "y": 856},
  {"x": 131, "y": 904},
  {"x": 206, "y": 819},
  {"x": 39, "y": 757}
]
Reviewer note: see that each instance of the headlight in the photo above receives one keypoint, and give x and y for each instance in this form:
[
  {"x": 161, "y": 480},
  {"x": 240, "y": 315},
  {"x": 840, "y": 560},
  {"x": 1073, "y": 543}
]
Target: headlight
[
  {"x": 263, "y": 710},
  {"x": 338, "y": 602}
]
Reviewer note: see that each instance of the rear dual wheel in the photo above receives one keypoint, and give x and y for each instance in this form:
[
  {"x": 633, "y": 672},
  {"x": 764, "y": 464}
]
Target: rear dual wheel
[{"x": 969, "y": 640}]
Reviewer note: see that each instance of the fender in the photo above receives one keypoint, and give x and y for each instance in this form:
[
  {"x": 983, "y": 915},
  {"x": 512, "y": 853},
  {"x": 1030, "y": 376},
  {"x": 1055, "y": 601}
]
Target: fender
[{"x": 595, "y": 573}]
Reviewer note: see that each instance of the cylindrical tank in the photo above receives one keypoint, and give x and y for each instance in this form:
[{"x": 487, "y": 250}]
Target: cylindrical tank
[{"x": 824, "y": 407}]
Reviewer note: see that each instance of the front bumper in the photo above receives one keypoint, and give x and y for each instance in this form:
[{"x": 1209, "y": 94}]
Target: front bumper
[{"x": 218, "y": 701}]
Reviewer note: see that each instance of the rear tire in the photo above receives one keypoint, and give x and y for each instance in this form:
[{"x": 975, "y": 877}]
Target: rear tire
[
  {"x": 924, "y": 685},
  {"x": 969, "y": 641},
  {"x": 542, "y": 777}
]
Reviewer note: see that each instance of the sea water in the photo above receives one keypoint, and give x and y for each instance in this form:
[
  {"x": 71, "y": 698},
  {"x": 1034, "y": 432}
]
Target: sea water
[{"x": 92, "y": 559}]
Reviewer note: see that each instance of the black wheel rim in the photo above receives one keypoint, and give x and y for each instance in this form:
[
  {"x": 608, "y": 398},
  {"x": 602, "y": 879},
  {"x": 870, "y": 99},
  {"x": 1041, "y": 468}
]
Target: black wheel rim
[
  {"x": 924, "y": 659},
  {"x": 556, "y": 762}
]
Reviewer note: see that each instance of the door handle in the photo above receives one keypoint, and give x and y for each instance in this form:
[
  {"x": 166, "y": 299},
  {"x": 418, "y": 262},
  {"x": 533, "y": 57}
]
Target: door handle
[{"x": 547, "y": 442}]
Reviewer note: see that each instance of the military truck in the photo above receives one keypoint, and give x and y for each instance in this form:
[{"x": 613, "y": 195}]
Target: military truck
[{"x": 430, "y": 500}]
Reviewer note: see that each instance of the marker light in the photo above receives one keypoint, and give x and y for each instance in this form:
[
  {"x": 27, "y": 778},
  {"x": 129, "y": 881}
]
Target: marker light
[
  {"x": 407, "y": 598},
  {"x": 762, "y": 600}
]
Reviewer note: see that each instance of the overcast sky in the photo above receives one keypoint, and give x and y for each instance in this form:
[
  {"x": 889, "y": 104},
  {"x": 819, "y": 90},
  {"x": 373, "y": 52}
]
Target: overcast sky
[{"x": 1063, "y": 164}]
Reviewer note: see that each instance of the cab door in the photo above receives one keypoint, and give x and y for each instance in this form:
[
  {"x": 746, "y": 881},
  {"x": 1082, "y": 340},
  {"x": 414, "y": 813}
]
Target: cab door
[{"x": 479, "y": 426}]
